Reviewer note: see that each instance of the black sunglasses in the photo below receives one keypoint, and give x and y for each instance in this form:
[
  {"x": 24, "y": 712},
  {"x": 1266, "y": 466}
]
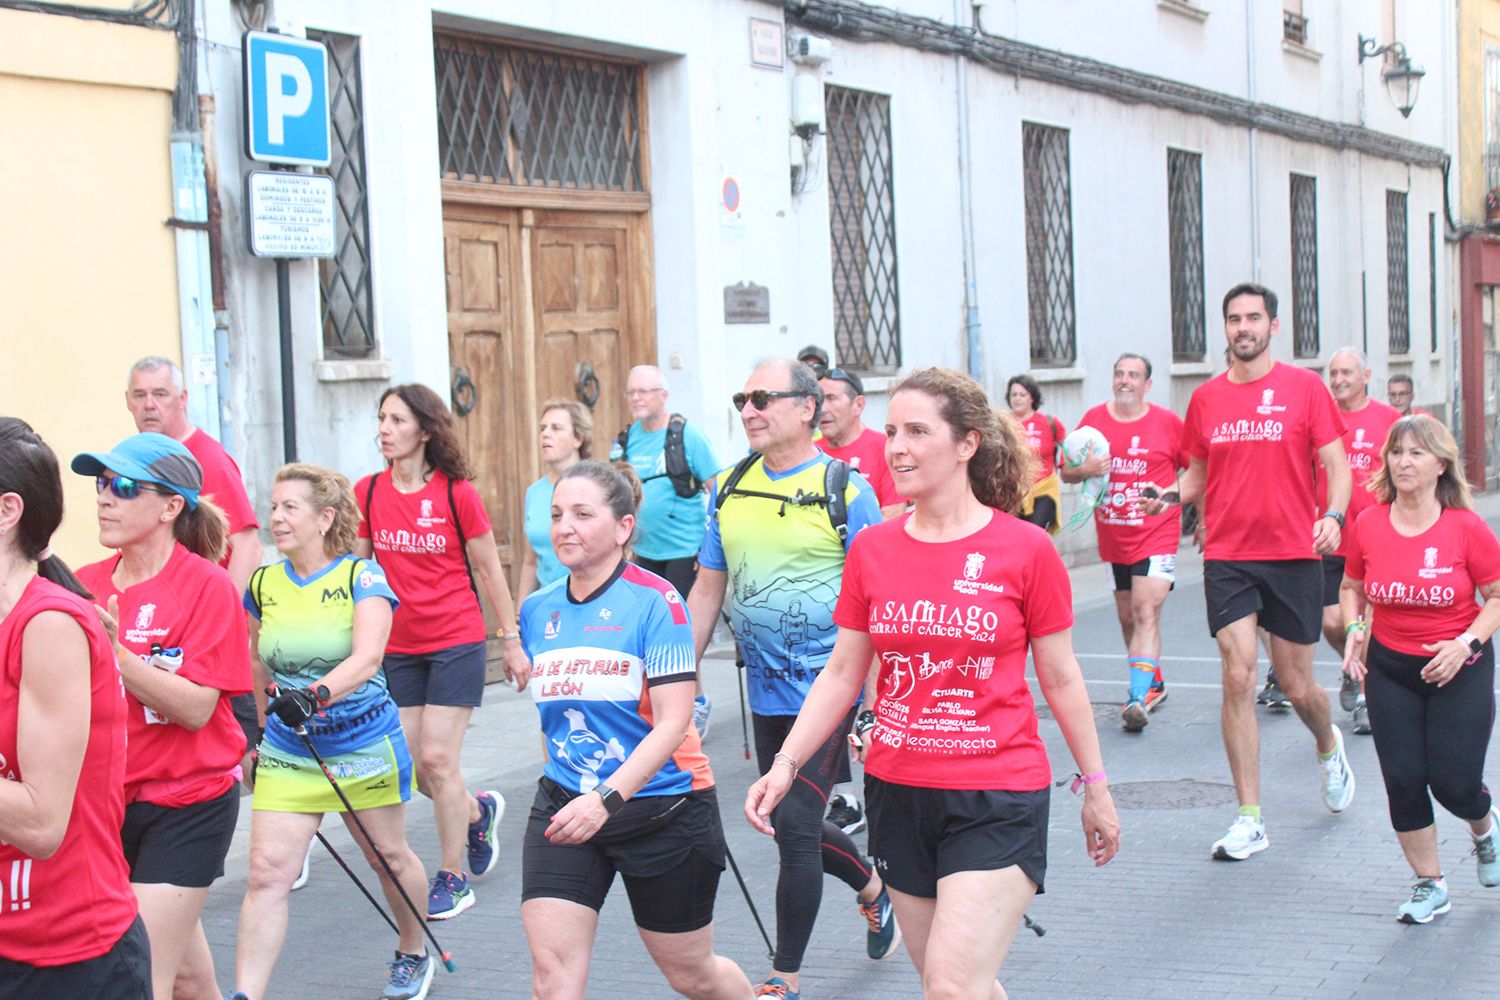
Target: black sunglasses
[
  {"x": 848, "y": 378},
  {"x": 761, "y": 398},
  {"x": 124, "y": 487}
]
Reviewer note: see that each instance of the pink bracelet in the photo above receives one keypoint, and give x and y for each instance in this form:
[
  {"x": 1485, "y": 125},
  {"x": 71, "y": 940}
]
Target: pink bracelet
[{"x": 1079, "y": 780}]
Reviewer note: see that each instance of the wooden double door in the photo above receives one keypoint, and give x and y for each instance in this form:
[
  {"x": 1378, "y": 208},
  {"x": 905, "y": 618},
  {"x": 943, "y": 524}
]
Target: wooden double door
[{"x": 541, "y": 304}]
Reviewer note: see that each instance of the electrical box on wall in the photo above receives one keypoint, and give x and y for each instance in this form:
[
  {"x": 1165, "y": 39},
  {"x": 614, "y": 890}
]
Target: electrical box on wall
[{"x": 807, "y": 105}]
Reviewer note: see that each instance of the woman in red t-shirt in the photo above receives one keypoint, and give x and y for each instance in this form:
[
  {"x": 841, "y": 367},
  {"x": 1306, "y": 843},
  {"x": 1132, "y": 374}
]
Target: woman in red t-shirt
[
  {"x": 180, "y": 638},
  {"x": 949, "y": 598},
  {"x": 68, "y": 923},
  {"x": 1044, "y": 435},
  {"x": 426, "y": 524},
  {"x": 1416, "y": 559}
]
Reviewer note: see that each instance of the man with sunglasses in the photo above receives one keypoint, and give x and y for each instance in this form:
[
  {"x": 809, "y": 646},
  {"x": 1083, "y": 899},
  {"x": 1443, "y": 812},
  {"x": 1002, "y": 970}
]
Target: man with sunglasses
[
  {"x": 669, "y": 527},
  {"x": 772, "y": 538},
  {"x": 846, "y": 437}
]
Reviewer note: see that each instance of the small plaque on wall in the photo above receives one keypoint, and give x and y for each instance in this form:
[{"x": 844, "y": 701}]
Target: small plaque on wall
[{"x": 747, "y": 302}]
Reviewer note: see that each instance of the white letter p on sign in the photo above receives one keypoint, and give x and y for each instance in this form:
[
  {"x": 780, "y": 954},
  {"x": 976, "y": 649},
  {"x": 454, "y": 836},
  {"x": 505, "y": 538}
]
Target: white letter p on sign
[{"x": 289, "y": 93}]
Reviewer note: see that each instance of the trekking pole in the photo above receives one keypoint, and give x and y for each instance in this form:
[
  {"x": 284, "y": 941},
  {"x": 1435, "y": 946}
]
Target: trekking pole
[
  {"x": 355, "y": 878},
  {"x": 770, "y": 951},
  {"x": 739, "y": 683},
  {"x": 301, "y": 730},
  {"x": 1032, "y": 925}
]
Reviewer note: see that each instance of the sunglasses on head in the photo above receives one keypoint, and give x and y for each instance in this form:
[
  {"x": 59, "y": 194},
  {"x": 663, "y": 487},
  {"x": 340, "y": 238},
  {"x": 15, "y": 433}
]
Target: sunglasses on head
[
  {"x": 761, "y": 398},
  {"x": 124, "y": 487}
]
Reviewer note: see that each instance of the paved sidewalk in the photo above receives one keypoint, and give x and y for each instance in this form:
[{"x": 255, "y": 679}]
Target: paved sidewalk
[{"x": 1311, "y": 917}]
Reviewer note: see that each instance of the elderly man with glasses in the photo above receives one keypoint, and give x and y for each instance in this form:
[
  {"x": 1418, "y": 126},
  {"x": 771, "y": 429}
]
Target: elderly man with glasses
[{"x": 781, "y": 523}]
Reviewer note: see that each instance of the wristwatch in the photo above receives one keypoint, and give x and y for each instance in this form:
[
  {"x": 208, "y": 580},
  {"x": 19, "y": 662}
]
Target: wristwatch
[
  {"x": 1336, "y": 515},
  {"x": 1470, "y": 640},
  {"x": 613, "y": 800}
]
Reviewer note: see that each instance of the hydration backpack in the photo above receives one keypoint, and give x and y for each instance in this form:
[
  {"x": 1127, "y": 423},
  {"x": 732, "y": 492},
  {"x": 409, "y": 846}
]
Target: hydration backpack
[
  {"x": 684, "y": 482},
  {"x": 835, "y": 484}
]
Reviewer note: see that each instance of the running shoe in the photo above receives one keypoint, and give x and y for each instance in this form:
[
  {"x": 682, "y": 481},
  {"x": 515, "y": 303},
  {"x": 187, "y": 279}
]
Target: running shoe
[
  {"x": 846, "y": 814},
  {"x": 701, "y": 707},
  {"x": 301, "y": 878},
  {"x": 778, "y": 988},
  {"x": 1134, "y": 715},
  {"x": 1429, "y": 897},
  {"x": 1271, "y": 695},
  {"x": 884, "y": 935},
  {"x": 1338, "y": 777},
  {"x": 1156, "y": 695},
  {"x": 1361, "y": 718},
  {"x": 237, "y": 995},
  {"x": 1348, "y": 692},
  {"x": 1487, "y": 850},
  {"x": 409, "y": 979},
  {"x": 483, "y": 851},
  {"x": 448, "y": 896},
  {"x": 1246, "y": 837}
]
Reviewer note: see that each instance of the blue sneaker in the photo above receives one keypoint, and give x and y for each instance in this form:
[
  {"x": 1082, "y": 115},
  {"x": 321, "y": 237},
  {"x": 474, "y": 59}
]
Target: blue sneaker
[
  {"x": 1487, "y": 850},
  {"x": 409, "y": 978},
  {"x": 778, "y": 988},
  {"x": 701, "y": 707},
  {"x": 448, "y": 896},
  {"x": 1429, "y": 897},
  {"x": 483, "y": 851},
  {"x": 884, "y": 935}
]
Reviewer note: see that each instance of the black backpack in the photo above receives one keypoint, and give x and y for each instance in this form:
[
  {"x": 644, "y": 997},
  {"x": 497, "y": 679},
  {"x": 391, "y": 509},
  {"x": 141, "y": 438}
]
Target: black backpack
[
  {"x": 463, "y": 542},
  {"x": 835, "y": 484},
  {"x": 684, "y": 482}
]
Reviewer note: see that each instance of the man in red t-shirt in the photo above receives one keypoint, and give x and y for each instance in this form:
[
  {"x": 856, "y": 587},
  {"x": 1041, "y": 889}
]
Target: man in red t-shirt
[
  {"x": 1399, "y": 392},
  {"x": 157, "y": 398},
  {"x": 1366, "y": 423},
  {"x": 1252, "y": 436},
  {"x": 1145, "y": 449},
  {"x": 846, "y": 437}
]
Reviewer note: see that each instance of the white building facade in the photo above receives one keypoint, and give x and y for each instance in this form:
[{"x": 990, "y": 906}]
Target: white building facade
[{"x": 536, "y": 192}]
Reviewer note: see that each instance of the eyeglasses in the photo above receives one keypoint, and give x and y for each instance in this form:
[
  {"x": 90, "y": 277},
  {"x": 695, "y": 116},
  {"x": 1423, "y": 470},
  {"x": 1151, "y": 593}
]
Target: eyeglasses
[
  {"x": 640, "y": 393},
  {"x": 124, "y": 487},
  {"x": 761, "y": 398}
]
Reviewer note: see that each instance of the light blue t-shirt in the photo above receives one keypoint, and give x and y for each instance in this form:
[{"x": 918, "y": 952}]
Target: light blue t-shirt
[
  {"x": 539, "y": 532},
  {"x": 669, "y": 526}
]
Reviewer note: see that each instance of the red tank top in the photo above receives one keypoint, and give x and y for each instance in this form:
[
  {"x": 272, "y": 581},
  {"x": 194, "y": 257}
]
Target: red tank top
[{"x": 76, "y": 904}]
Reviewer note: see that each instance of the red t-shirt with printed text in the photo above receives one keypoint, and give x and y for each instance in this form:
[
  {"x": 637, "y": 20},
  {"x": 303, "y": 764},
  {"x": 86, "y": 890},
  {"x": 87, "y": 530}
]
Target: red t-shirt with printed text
[
  {"x": 866, "y": 455},
  {"x": 417, "y": 545},
  {"x": 1422, "y": 587},
  {"x": 1364, "y": 437},
  {"x": 191, "y": 605},
  {"x": 1261, "y": 440},
  {"x": 1141, "y": 451},
  {"x": 1044, "y": 439},
  {"x": 76, "y": 904},
  {"x": 951, "y": 623}
]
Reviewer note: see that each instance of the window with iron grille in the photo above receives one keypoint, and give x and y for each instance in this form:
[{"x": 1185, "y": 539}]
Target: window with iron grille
[
  {"x": 1293, "y": 22},
  {"x": 1491, "y": 117},
  {"x": 1397, "y": 288},
  {"x": 1306, "y": 341},
  {"x": 510, "y": 115},
  {"x": 1049, "y": 245},
  {"x": 344, "y": 279},
  {"x": 1185, "y": 253},
  {"x": 862, "y": 226}
]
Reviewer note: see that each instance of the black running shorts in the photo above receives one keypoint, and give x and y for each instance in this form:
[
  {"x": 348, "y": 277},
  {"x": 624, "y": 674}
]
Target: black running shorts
[
  {"x": 668, "y": 850},
  {"x": 453, "y": 677},
  {"x": 919, "y": 835},
  {"x": 182, "y": 845},
  {"x": 1333, "y": 576},
  {"x": 122, "y": 973},
  {"x": 1286, "y": 594}
]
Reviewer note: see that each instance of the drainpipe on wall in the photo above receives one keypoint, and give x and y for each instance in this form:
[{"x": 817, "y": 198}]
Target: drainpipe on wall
[{"x": 973, "y": 330}]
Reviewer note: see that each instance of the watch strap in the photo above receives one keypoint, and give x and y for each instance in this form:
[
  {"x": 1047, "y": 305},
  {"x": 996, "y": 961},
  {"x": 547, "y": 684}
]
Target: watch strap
[{"x": 613, "y": 800}]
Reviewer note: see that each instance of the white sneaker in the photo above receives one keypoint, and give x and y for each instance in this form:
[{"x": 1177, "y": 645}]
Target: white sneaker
[
  {"x": 301, "y": 879},
  {"x": 1338, "y": 778},
  {"x": 1246, "y": 837}
]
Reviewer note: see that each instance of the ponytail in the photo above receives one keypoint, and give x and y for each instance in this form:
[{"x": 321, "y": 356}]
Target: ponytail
[
  {"x": 203, "y": 530},
  {"x": 29, "y": 469}
]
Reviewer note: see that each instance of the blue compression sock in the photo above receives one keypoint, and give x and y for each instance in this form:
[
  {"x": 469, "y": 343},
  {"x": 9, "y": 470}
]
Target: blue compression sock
[{"x": 1142, "y": 675}]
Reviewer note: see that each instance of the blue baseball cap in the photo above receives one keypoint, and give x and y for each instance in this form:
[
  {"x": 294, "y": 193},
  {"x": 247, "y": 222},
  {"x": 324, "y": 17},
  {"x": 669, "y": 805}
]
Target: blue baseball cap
[{"x": 148, "y": 458}]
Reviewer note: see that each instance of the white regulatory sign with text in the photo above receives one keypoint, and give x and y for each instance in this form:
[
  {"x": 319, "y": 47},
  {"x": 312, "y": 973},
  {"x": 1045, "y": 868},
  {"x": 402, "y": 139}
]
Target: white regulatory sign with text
[{"x": 289, "y": 214}]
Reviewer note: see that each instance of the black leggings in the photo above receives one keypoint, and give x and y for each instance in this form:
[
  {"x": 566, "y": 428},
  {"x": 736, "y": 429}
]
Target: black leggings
[
  {"x": 809, "y": 845},
  {"x": 1430, "y": 737}
]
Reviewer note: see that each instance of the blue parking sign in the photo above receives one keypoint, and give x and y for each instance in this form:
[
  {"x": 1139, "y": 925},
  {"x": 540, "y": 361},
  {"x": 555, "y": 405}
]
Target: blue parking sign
[{"x": 286, "y": 100}]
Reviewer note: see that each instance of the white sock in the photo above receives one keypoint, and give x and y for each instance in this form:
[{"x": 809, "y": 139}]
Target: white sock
[{"x": 1477, "y": 837}]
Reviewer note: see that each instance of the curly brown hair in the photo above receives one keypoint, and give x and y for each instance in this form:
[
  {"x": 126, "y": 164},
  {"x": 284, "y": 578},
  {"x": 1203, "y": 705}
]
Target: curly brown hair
[
  {"x": 328, "y": 490},
  {"x": 1002, "y": 470},
  {"x": 443, "y": 450}
]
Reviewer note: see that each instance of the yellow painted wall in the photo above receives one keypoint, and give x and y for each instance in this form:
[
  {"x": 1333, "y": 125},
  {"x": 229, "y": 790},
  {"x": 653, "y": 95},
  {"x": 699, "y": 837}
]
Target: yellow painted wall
[
  {"x": 1478, "y": 26},
  {"x": 87, "y": 268}
]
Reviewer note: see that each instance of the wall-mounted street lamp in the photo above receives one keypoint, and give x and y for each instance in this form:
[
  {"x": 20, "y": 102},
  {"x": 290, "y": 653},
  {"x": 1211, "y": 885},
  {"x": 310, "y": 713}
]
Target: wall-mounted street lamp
[{"x": 1402, "y": 79}]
